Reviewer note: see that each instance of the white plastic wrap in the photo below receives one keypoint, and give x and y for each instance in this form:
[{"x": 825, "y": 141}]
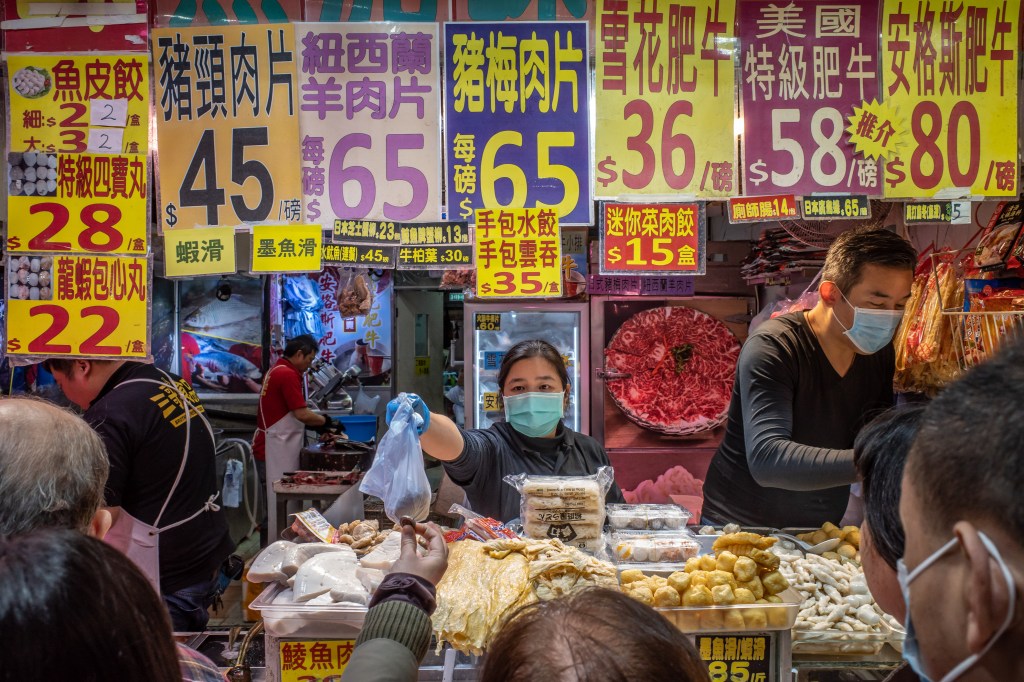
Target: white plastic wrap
[{"x": 566, "y": 508}]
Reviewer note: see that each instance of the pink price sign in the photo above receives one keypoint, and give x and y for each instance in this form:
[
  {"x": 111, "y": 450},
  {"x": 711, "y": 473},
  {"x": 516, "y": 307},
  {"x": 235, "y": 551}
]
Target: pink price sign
[{"x": 805, "y": 66}]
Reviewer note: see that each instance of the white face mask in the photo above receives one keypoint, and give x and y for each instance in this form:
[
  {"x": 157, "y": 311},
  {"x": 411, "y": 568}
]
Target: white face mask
[
  {"x": 911, "y": 651},
  {"x": 872, "y": 330}
]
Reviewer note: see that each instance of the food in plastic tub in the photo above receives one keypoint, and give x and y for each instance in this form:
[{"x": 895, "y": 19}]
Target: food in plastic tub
[
  {"x": 653, "y": 547},
  {"x": 283, "y": 617},
  {"x": 840, "y": 643},
  {"x": 735, "y": 617},
  {"x": 647, "y": 516}
]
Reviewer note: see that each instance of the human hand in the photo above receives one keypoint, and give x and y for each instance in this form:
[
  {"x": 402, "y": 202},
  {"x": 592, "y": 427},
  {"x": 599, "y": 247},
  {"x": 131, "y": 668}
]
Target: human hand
[
  {"x": 328, "y": 425},
  {"x": 429, "y": 566},
  {"x": 417, "y": 405}
]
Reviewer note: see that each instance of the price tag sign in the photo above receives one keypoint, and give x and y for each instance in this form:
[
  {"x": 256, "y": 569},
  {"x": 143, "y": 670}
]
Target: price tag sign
[
  {"x": 759, "y": 209},
  {"x": 640, "y": 286},
  {"x": 664, "y": 88},
  {"x": 81, "y": 306},
  {"x": 735, "y": 658},
  {"x": 491, "y": 403},
  {"x": 653, "y": 238},
  {"x": 517, "y": 126},
  {"x": 56, "y": 98},
  {"x": 434, "y": 234},
  {"x": 207, "y": 251},
  {"x": 378, "y": 257},
  {"x": 957, "y": 106},
  {"x": 286, "y": 248},
  {"x": 931, "y": 212},
  {"x": 834, "y": 207},
  {"x": 382, "y": 81},
  {"x": 487, "y": 322},
  {"x": 518, "y": 253},
  {"x": 228, "y": 125},
  {"x": 805, "y": 67},
  {"x": 314, "y": 661},
  {"x": 422, "y": 365},
  {"x": 111, "y": 113},
  {"x": 435, "y": 246},
  {"x": 375, "y": 232},
  {"x": 81, "y": 203},
  {"x": 105, "y": 140}
]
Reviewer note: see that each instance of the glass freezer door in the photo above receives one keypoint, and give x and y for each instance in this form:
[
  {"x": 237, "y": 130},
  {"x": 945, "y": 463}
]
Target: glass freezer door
[{"x": 494, "y": 329}]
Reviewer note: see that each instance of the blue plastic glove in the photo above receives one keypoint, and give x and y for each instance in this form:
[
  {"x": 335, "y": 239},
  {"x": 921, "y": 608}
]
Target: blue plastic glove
[{"x": 417, "y": 405}]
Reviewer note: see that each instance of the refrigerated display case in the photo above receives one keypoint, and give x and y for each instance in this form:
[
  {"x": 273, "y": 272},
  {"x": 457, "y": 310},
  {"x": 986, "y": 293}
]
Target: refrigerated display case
[{"x": 493, "y": 328}]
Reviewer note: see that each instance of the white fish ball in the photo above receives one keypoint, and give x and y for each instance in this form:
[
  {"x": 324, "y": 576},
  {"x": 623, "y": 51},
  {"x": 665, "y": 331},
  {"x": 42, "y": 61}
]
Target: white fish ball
[
  {"x": 30, "y": 158},
  {"x": 22, "y": 276},
  {"x": 44, "y": 293},
  {"x": 22, "y": 292},
  {"x": 33, "y": 279},
  {"x": 51, "y": 161},
  {"x": 33, "y": 265},
  {"x": 29, "y": 188},
  {"x": 30, "y": 174},
  {"x": 51, "y": 174},
  {"x": 44, "y": 278},
  {"x": 14, "y": 291},
  {"x": 41, "y": 161},
  {"x": 33, "y": 293},
  {"x": 51, "y": 186}
]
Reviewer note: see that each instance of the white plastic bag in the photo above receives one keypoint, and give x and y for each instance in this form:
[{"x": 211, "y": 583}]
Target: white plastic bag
[{"x": 397, "y": 475}]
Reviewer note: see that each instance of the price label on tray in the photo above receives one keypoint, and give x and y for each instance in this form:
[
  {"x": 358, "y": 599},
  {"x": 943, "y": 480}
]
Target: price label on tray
[
  {"x": 737, "y": 658},
  {"x": 314, "y": 661}
]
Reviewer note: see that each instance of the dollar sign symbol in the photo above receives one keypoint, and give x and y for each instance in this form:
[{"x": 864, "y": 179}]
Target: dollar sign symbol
[
  {"x": 758, "y": 174},
  {"x": 607, "y": 168},
  {"x": 172, "y": 219},
  {"x": 312, "y": 211},
  {"x": 467, "y": 207},
  {"x": 614, "y": 255},
  {"x": 894, "y": 174},
  {"x": 13, "y": 345}
]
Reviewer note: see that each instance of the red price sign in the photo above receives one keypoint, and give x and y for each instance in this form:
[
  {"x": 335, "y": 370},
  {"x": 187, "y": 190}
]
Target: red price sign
[
  {"x": 652, "y": 238},
  {"x": 76, "y": 225}
]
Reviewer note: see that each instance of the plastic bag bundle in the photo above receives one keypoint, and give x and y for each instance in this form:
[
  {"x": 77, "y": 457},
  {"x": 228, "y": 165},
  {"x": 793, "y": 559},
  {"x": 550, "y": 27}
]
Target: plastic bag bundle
[
  {"x": 397, "y": 475},
  {"x": 566, "y": 508}
]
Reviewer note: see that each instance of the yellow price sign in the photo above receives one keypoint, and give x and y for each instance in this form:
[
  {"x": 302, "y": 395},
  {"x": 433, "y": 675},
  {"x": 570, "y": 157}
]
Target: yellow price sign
[
  {"x": 203, "y": 251},
  {"x": 518, "y": 253},
  {"x": 93, "y": 306},
  {"x": 286, "y": 248},
  {"x": 314, "y": 661},
  {"x": 77, "y": 225}
]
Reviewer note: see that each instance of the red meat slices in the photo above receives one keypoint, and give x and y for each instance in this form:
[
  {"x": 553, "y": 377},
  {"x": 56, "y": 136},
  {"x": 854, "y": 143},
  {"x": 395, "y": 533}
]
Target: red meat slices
[{"x": 680, "y": 364}]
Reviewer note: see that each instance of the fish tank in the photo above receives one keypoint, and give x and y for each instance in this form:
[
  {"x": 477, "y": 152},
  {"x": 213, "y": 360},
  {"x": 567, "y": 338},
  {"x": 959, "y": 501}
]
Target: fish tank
[{"x": 222, "y": 326}]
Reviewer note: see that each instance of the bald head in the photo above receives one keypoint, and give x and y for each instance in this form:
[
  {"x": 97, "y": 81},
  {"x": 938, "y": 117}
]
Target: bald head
[{"x": 53, "y": 468}]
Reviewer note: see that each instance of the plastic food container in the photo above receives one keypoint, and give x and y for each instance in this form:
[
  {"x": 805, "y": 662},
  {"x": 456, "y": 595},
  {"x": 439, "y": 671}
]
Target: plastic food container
[
  {"x": 659, "y": 547},
  {"x": 736, "y": 618},
  {"x": 840, "y": 643},
  {"x": 288, "y": 619},
  {"x": 646, "y": 516}
]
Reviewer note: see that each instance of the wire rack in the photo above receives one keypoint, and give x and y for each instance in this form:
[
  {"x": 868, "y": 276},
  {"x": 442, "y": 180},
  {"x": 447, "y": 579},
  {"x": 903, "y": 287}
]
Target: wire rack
[{"x": 976, "y": 335}]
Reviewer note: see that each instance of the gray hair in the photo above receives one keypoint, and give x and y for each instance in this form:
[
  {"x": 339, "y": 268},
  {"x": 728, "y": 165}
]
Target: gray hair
[{"x": 53, "y": 467}]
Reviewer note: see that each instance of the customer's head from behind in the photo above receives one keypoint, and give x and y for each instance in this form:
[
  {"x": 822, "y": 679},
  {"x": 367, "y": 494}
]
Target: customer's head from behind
[
  {"x": 593, "y": 636},
  {"x": 53, "y": 467},
  {"x": 963, "y": 512},
  {"x": 73, "y": 607},
  {"x": 880, "y": 452}
]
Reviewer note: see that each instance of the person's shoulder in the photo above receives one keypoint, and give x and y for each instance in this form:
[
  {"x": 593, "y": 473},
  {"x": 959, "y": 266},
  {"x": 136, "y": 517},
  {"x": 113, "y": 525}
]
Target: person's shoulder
[{"x": 586, "y": 442}]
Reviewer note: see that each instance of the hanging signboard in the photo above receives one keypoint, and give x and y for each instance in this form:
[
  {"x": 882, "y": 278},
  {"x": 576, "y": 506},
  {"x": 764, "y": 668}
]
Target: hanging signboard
[
  {"x": 653, "y": 239},
  {"x": 835, "y": 207},
  {"x": 375, "y": 10},
  {"x": 950, "y": 78},
  {"x": 517, "y": 119},
  {"x": 206, "y": 251},
  {"x": 517, "y": 10},
  {"x": 67, "y": 102},
  {"x": 804, "y": 67},
  {"x": 435, "y": 246},
  {"x": 45, "y": 26},
  {"x": 759, "y": 209},
  {"x": 361, "y": 256},
  {"x": 227, "y": 122},
  {"x": 665, "y": 92},
  {"x": 369, "y": 115},
  {"x": 79, "y": 306},
  {"x": 286, "y": 248},
  {"x": 518, "y": 253},
  {"x": 181, "y": 13}
]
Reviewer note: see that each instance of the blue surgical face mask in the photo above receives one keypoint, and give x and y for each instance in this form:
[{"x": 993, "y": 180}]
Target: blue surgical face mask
[
  {"x": 911, "y": 649},
  {"x": 872, "y": 330},
  {"x": 534, "y": 414}
]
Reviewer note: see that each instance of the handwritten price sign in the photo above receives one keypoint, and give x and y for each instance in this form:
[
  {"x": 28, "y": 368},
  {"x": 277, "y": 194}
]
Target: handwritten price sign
[
  {"x": 95, "y": 306},
  {"x": 652, "y": 238}
]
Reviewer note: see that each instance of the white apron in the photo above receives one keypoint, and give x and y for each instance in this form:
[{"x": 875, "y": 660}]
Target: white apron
[
  {"x": 140, "y": 541},
  {"x": 283, "y": 440}
]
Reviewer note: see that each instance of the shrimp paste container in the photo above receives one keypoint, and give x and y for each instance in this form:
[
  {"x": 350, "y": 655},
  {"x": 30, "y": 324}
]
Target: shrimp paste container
[
  {"x": 646, "y": 516},
  {"x": 840, "y": 643},
  {"x": 737, "y": 617},
  {"x": 657, "y": 547}
]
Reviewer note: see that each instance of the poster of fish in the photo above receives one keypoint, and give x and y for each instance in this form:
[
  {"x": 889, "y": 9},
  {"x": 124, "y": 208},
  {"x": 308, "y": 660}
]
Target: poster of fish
[{"x": 222, "y": 334}]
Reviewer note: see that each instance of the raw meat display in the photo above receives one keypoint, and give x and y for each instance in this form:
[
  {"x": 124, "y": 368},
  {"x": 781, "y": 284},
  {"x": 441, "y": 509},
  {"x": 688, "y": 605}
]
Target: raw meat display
[{"x": 671, "y": 370}]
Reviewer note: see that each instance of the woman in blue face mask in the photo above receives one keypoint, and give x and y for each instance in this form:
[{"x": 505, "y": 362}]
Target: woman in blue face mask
[{"x": 533, "y": 439}]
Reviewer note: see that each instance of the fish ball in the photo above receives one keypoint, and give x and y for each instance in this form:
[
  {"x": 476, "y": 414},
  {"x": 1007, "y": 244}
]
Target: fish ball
[
  {"x": 33, "y": 293},
  {"x": 33, "y": 279},
  {"x": 33, "y": 265},
  {"x": 44, "y": 278},
  {"x": 44, "y": 293}
]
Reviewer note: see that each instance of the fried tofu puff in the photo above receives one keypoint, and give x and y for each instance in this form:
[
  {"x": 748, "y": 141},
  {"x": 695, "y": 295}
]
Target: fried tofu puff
[
  {"x": 698, "y": 595},
  {"x": 708, "y": 562},
  {"x": 666, "y": 596},
  {"x": 713, "y": 619},
  {"x": 631, "y": 575},
  {"x": 692, "y": 565},
  {"x": 755, "y": 619},
  {"x": 680, "y": 581},
  {"x": 734, "y": 621},
  {"x": 716, "y": 578},
  {"x": 642, "y": 595},
  {"x": 723, "y": 595},
  {"x": 725, "y": 561},
  {"x": 774, "y": 582},
  {"x": 744, "y": 596},
  {"x": 744, "y": 569},
  {"x": 699, "y": 578},
  {"x": 755, "y": 586}
]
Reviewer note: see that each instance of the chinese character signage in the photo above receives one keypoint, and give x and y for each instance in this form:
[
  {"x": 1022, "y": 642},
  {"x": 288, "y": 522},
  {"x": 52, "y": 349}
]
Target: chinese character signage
[
  {"x": 518, "y": 253},
  {"x": 734, "y": 657},
  {"x": 326, "y": 659},
  {"x": 358, "y": 255},
  {"x": 487, "y": 322},
  {"x": 931, "y": 212},
  {"x": 665, "y": 95},
  {"x": 79, "y": 306},
  {"x": 369, "y": 112},
  {"x": 435, "y": 246},
  {"x": 617, "y": 285},
  {"x": 378, "y": 232},
  {"x": 804, "y": 66},
  {"x": 757, "y": 209},
  {"x": 67, "y": 103},
  {"x": 375, "y": 10},
  {"x": 517, "y": 10},
  {"x": 653, "y": 238},
  {"x": 950, "y": 72},
  {"x": 175, "y": 13},
  {"x": 206, "y": 251},
  {"x": 517, "y": 126},
  {"x": 226, "y": 108},
  {"x": 286, "y": 248},
  {"x": 832, "y": 207},
  {"x": 77, "y": 202}
]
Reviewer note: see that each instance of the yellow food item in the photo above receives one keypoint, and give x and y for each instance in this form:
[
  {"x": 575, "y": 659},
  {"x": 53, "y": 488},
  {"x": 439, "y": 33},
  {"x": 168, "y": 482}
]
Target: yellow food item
[
  {"x": 834, "y": 556},
  {"x": 631, "y": 575},
  {"x": 755, "y": 619},
  {"x": 666, "y": 596},
  {"x": 836, "y": 534},
  {"x": 725, "y": 561},
  {"x": 768, "y": 560},
  {"x": 734, "y": 621},
  {"x": 774, "y": 599},
  {"x": 828, "y": 527},
  {"x": 699, "y": 578},
  {"x": 743, "y": 596},
  {"x": 777, "y": 618},
  {"x": 642, "y": 594},
  {"x": 680, "y": 581},
  {"x": 724, "y": 542},
  {"x": 688, "y": 621},
  {"x": 847, "y": 551},
  {"x": 713, "y": 619},
  {"x": 698, "y": 595},
  {"x": 692, "y": 564},
  {"x": 853, "y": 537},
  {"x": 708, "y": 563},
  {"x": 723, "y": 595},
  {"x": 818, "y": 536},
  {"x": 716, "y": 578},
  {"x": 744, "y": 569},
  {"x": 774, "y": 582},
  {"x": 755, "y": 587}
]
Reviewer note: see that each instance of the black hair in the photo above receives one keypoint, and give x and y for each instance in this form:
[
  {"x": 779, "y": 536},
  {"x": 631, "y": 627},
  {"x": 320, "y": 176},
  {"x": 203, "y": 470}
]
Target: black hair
[
  {"x": 879, "y": 453},
  {"x": 853, "y": 249},
  {"x": 61, "y": 365},
  {"x": 304, "y": 343},
  {"x": 533, "y": 348},
  {"x": 64, "y": 589},
  {"x": 595, "y": 635},
  {"x": 968, "y": 459}
]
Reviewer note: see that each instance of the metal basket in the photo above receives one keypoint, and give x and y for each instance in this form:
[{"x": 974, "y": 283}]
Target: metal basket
[{"x": 976, "y": 335}]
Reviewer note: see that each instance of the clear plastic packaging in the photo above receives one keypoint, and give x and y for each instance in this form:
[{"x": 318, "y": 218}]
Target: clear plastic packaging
[
  {"x": 647, "y": 516},
  {"x": 397, "y": 475},
  {"x": 566, "y": 508},
  {"x": 657, "y": 547}
]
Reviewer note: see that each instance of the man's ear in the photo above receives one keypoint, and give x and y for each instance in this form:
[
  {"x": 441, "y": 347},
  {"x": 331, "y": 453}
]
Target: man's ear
[
  {"x": 100, "y": 524},
  {"x": 829, "y": 292},
  {"x": 988, "y": 598}
]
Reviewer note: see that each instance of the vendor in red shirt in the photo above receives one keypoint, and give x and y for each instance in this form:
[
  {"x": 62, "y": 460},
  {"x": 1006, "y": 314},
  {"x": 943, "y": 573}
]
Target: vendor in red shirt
[{"x": 282, "y": 418}]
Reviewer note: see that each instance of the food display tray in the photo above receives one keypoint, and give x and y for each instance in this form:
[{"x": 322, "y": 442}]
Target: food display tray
[
  {"x": 337, "y": 621},
  {"x": 840, "y": 643},
  {"x": 726, "y": 618}
]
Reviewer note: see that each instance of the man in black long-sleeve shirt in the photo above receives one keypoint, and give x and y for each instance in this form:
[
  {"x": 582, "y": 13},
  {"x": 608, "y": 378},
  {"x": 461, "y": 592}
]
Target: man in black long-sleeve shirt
[{"x": 805, "y": 384}]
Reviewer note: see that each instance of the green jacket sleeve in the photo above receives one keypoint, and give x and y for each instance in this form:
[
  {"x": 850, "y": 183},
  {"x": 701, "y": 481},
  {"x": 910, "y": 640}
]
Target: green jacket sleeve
[{"x": 394, "y": 640}]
